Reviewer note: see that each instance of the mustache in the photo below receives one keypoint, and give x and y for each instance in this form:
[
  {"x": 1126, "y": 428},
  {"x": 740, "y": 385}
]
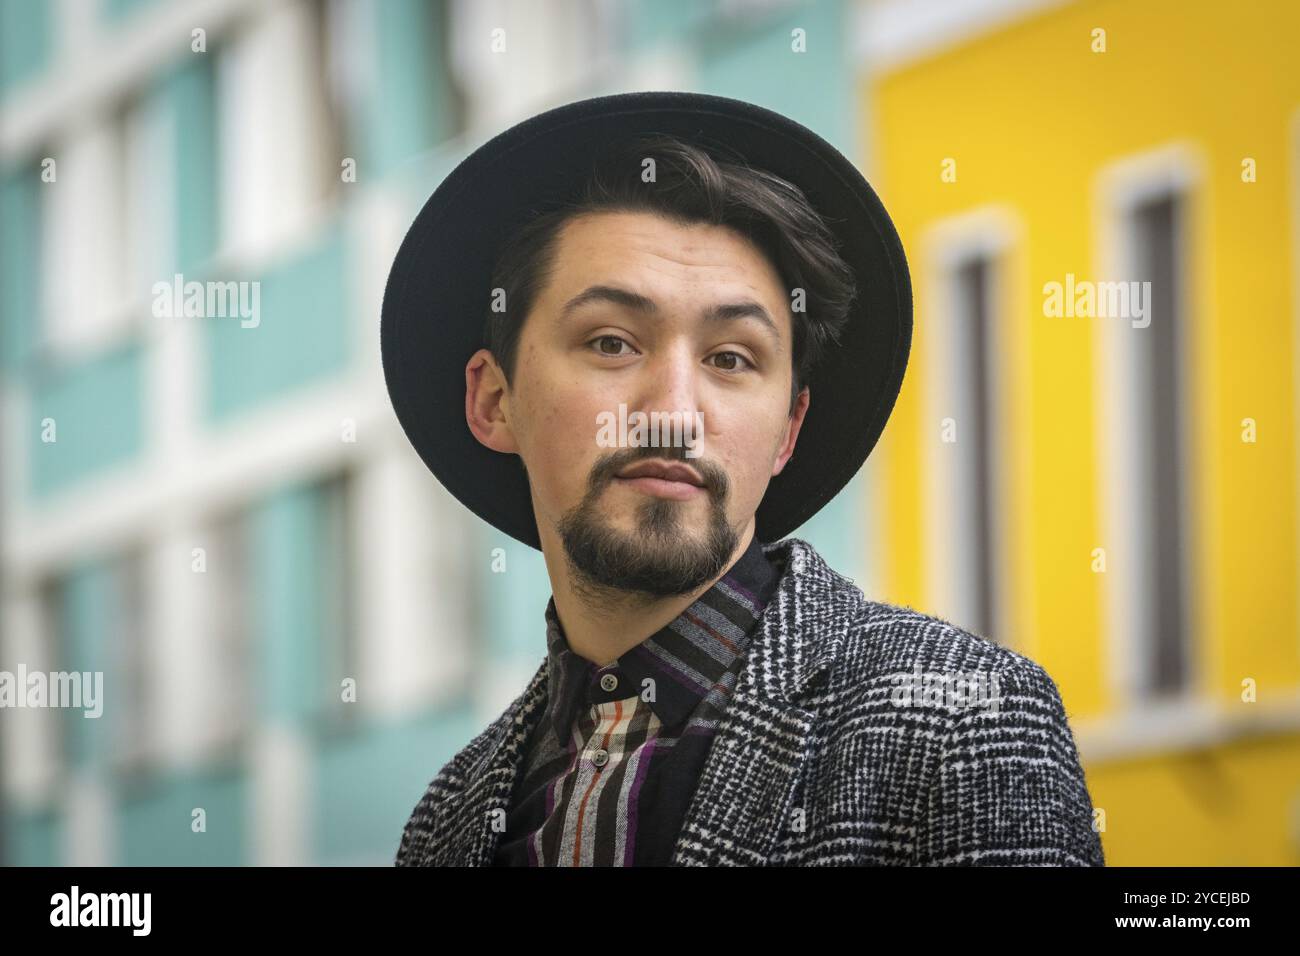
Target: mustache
[{"x": 605, "y": 470}]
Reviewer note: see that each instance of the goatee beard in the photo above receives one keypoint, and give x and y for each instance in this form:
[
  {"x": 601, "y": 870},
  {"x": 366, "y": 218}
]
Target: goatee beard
[{"x": 657, "y": 558}]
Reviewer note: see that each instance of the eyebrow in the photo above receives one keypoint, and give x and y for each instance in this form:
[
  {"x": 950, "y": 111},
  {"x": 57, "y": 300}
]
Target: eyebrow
[{"x": 722, "y": 312}]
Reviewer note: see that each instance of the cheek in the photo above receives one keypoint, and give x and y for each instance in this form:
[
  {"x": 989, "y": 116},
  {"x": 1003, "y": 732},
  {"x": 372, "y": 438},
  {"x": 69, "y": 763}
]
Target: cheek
[
  {"x": 560, "y": 442},
  {"x": 743, "y": 445}
]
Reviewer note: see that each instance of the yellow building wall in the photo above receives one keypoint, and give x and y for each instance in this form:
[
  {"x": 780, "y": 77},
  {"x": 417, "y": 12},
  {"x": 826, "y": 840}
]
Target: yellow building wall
[{"x": 1031, "y": 116}]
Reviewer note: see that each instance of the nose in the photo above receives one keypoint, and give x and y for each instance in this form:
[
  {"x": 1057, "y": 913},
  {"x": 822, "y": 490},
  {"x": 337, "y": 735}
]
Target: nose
[{"x": 670, "y": 388}]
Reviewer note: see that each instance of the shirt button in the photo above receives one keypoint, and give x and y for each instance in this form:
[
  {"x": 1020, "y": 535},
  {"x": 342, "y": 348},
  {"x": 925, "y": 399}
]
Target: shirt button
[
  {"x": 608, "y": 682},
  {"x": 600, "y": 758}
]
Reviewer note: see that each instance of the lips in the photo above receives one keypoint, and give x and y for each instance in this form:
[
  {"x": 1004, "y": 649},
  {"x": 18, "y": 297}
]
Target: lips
[{"x": 665, "y": 470}]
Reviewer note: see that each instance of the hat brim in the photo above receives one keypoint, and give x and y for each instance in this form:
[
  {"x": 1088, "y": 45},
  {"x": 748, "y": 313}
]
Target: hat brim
[{"x": 437, "y": 294}]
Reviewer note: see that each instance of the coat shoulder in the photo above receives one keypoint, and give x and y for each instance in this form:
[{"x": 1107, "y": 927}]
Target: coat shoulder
[
  {"x": 930, "y": 725},
  {"x": 888, "y": 641},
  {"x": 894, "y": 637}
]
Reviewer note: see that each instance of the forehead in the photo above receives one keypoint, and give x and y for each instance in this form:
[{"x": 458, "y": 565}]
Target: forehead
[{"x": 663, "y": 258}]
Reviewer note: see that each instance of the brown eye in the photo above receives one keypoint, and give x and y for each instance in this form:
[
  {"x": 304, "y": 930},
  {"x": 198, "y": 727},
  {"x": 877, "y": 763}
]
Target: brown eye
[
  {"x": 732, "y": 367},
  {"x": 601, "y": 340}
]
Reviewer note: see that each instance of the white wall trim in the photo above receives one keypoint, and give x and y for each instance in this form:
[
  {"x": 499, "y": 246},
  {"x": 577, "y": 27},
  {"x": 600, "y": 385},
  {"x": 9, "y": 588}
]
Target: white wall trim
[
  {"x": 1291, "y": 176},
  {"x": 118, "y": 58},
  {"x": 281, "y": 808},
  {"x": 290, "y": 439},
  {"x": 31, "y": 738},
  {"x": 892, "y": 34},
  {"x": 1197, "y": 723},
  {"x": 89, "y": 833}
]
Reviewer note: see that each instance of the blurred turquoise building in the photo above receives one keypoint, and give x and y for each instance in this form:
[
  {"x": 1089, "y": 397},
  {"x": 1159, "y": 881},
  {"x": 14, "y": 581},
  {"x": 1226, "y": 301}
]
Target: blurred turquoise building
[{"x": 297, "y": 626}]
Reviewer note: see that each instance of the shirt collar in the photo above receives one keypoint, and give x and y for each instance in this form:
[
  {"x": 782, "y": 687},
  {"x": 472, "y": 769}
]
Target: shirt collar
[{"x": 683, "y": 661}]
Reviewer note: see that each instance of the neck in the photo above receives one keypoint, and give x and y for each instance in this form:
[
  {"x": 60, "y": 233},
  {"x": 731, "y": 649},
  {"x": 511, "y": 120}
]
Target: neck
[{"x": 602, "y": 624}]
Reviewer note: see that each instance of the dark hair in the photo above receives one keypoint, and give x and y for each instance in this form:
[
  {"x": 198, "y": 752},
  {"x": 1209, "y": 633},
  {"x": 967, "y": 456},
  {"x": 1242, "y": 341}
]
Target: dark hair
[{"x": 692, "y": 185}]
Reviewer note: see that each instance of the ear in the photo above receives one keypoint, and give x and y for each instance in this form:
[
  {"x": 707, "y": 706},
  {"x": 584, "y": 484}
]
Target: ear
[
  {"x": 792, "y": 431},
  {"x": 487, "y": 403}
]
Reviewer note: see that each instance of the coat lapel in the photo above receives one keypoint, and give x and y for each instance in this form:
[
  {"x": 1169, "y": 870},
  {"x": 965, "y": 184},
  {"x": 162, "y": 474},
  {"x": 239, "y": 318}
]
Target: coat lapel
[
  {"x": 476, "y": 818},
  {"x": 746, "y": 790}
]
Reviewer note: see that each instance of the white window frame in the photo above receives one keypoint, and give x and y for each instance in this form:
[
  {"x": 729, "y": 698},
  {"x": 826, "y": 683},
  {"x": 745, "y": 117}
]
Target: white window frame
[
  {"x": 271, "y": 175},
  {"x": 1118, "y": 189},
  {"x": 995, "y": 233},
  {"x": 552, "y": 51},
  {"x": 1293, "y": 171}
]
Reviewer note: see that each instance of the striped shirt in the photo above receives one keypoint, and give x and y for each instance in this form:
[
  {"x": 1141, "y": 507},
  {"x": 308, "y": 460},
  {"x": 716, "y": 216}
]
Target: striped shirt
[{"x": 612, "y": 765}]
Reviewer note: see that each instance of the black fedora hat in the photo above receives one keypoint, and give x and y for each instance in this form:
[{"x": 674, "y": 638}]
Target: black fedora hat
[{"x": 438, "y": 292}]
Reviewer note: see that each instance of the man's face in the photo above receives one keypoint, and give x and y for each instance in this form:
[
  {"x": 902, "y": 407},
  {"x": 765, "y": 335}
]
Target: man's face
[{"x": 625, "y": 321}]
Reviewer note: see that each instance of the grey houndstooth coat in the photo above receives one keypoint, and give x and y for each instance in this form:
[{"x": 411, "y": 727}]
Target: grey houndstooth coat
[{"x": 818, "y": 760}]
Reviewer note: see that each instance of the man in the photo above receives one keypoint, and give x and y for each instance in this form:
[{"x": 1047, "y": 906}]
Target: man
[{"x": 711, "y": 694}]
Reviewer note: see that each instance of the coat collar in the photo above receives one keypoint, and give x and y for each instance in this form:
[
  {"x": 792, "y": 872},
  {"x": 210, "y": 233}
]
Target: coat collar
[{"x": 745, "y": 789}]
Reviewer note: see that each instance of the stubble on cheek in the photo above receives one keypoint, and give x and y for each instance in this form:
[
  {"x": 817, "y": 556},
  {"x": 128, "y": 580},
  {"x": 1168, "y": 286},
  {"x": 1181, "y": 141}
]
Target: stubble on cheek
[{"x": 560, "y": 448}]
